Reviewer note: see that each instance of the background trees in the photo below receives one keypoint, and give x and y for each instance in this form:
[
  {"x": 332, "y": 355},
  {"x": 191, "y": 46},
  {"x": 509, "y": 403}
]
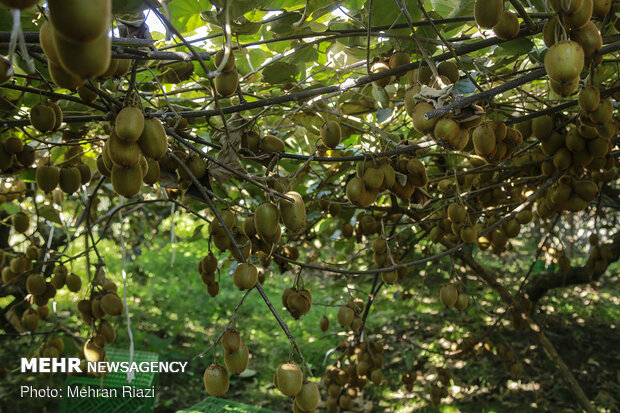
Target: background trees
[{"x": 358, "y": 160}]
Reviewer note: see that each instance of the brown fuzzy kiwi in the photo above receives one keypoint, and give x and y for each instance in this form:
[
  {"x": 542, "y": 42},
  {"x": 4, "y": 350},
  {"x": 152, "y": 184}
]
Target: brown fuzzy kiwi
[
  {"x": 581, "y": 16},
  {"x": 35, "y": 284},
  {"x": 603, "y": 112},
  {"x": 87, "y": 94},
  {"x": 245, "y": 276},
  {"x": 293, "y": 213},
  {"x": 123, "y": 153},
  {"x": 308, "y": 397},
  {"x": 564, "y": 61},
  {"x": 450, "y": 70},
  {"x": 542, "y": 127},
  {"x": 26, "y": 156},
  {"x": 266, "y": 219},
  {"x": 20, "y": 222},
  {"x": 484, "y": 140},
  {"x": 551, "y": 30},
  {"x": 80, "y": 20},
  {"x": 566, "y": 6},
  {"x": 216, "y": 380},
  {"x": 74, "y": 282},
  {"x": 589, "y": 37},
  {"x": 84, "y": 59},
  {"x": 564, "y": 88},
  {"x": 70, "y": 179},
  {"x": 42, "y": 117},
  {"x": 289, "y": 378},
  {"x": 507, "y": 27},
  {"x": 153, "y": 172},
  {"x": 85, "y": 173},
  {"x": 488, "y": 12},
  {"x": 379, "y": 67},
  {"x": 354, "y": 189},
  {"x": 231, "y": 341},
  {"x": 271, "y": 143},
  {"x": 63, "y": 79},
  {"x": 153, "y": 142},
  {"x": 600, "y": 8},
  {"x": 230, "y": 62},
  {"x": 420, "y": 123},
  {"x": 448, "y": 295},
  {"x": 456, "y": 212},
  {"x": 129, "y": 124},
  {"x": 237, "y": 361},
  {"x": 30, "y": 319},
  {"x": 127, "y": 181},
  {"x": 47, "y": 42},
  {"x": 345, "y": 316},
  {"x": 447, "y": 130},
  {"x": 331, "y": 134},
  {"x": 399, "y": 59},
  {"x": 111, "y": 304},
  {"x": 226, "y": 83},
  {"x": 589, "y": 98},
  {"x": 13, "y": 145},
  {"x": 123, "y": 67}
]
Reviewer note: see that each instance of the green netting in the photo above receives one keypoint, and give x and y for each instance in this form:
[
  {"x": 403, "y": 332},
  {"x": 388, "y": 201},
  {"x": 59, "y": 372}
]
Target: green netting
[
  {"x": 113, "y": 380},
  {"x": 212, "y": 404}
]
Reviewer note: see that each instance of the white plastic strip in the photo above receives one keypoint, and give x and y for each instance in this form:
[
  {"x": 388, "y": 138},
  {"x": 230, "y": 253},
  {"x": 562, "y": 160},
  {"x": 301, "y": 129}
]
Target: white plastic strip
[{"x": 130, "y": 374}]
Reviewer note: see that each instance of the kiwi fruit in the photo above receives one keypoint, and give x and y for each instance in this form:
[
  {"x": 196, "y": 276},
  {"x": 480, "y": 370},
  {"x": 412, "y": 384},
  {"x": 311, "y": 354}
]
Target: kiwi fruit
[
  {"x": 507, "y": 27},
  {"x": 87, "y": 94},
  {"x": 456, "y": 212},
  {"x": 448, "y": 295},
  {"x": 64, "y": 79},
  {"x": 42, "y": 117},
  {"x": 420, "y": 123},
  {"x": 230, "y": 63},
  {"x": 35, "y": 284},
  {"x": 245, "y": 276},
  {"x": 250, "y": 140},
  {"x": 152, "y": 141},
  {"x": 600, "y": 8},
  {"x": 379, "y": 67},
  {"x": 449, "y": 69},
  {"x": 542, "y": 127},
  {"x": 579, "y": 17},
  {"x": 26, "y": 156},
  {"x": 566, "y": 6},
  {"x": 266, "y": 219},
  {"x": 289, "y": 379},
  {"x": 564, "y": 88},
  {"x": 483, "y": 138},
  {"x": 213, "y": 289},
  {"x": 589, "y": 98},
  {"x": 469, "y": 235},
  {"x": 399, "y": 59},
  {"x": 551, "y": 30},
  {"x": 271, "y": 143},
  {"x": 111, "y": 304},
  {"x": 84, "y": 59},
  {"x": 564, "y": 61},
  {"x": 331, "y": 134},
  {"x": 447, "y": 130},
  {"x": 127, "y": 181},
  {"x": 70, "y": 179},
  {"x": 216, "y": 380},
  {"x": 388, "y": 277},
  {"x": 122, "y": 67},
  {"x": 152, "y": 173},
  {"x": 293, "y": 213},
  {"x": 123, "y": 153},
  {"x": 589, "y": 37},
  {"x": 354, "y": 190},
  {"x": 18, "y": 4},
  {"x": 85, "y": 173},
  {"x": 30, "y": 319},
  {"x": 603, "y": 112},
  {"x": 308, "y": 397},
  {"x": 129, "y": 124},
  {"x": 237, "y": 361},
  {"x": 226, "y": 83},
  {"x": 13, "y": 145},
  {"x": 488, "y": 12},
  {"x": 20, "y": 222},
  {"x": 231, "y": 341},
  {"x": 47, "y": 42},
  {"x": 32, "y": 252},
  {"x": 81, "y": 21},
  {"x": 373, "y": 178},
  {"x": 74, "y": 282}
]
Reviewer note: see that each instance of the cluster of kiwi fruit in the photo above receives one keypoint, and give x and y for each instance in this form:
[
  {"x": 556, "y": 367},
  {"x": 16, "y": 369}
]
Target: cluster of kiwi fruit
[
  {"x": 490, "y": 14},
  {"x": 409, "y": 378},
  {"x": 383, "y": 259},
  {"x": 94, "y": 347},
  {"x": 227, "y": 81},
  {"x": 454, "y": 222},
  {"x": 46, "y": 116},
  {"x": 349, "y": 315},
  {"x": 257, "y": 145},
  {"x": 206, "y": 268},
  {"x": 236, "y": 357},
  {"x": 130, "y": 156},
  {"x": 600, "y": 255},
  {"x": 15, "y": 155},
  {"x": 297, "y": 301},
  {"x": 72, "y": 174},
  {"x": 175, "y": 71},
  {"x": 344, "y": 380},
  {"x": 288, "y": 379},
  {"x": 450, "y": 296},
  {"x": 478, "y": 347},
  {"x": 76, "y": 42},
  {"x": 103, "y": 301},
  {"x": 384, "y": 63}
]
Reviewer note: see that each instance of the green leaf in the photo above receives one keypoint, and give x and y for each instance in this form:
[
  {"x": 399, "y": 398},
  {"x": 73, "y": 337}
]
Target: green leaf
[
  {"x": 48, "y": 212},
  {"x": 11, "y": 209},
  {"x": 279, "y": 72},
  {"x": 383, "y": 114},
  {"x": 185, "y": 15},
  {"x": 514, "y": 47}
]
